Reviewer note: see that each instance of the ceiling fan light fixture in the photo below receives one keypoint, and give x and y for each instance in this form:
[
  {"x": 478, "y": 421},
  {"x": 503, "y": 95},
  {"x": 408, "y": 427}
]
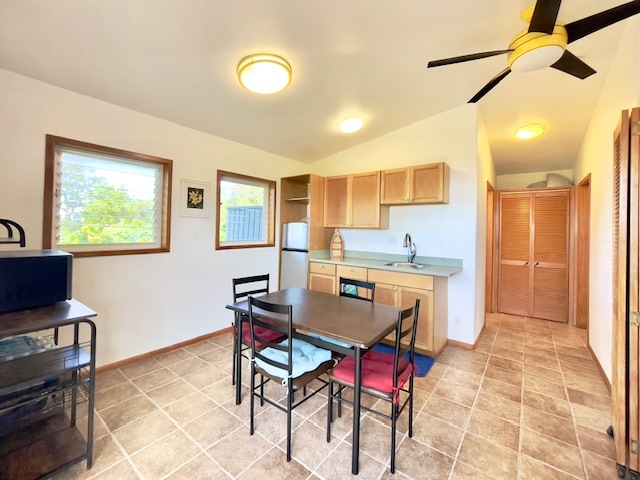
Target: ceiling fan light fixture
[
  {"x": 527, "y": 132},
  {"x": 264, "y": 73},
  {"x": 351, "y": 125},
  {"x": 534, "y": 50}
]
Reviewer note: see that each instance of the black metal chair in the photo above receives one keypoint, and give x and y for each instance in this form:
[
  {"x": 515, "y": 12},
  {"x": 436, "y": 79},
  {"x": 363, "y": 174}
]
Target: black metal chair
[
  {"x": 384, "y": 375},
  {"x": 292, "y": 363},
  {"x": 242, "y": 288},
  {"x": 357, "y": 289}
]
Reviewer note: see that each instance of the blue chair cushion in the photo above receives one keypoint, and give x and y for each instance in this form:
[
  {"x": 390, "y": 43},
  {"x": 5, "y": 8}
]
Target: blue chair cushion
[
  {"x": 330, "y": 340},
  {"x": 306, "y": 358}
]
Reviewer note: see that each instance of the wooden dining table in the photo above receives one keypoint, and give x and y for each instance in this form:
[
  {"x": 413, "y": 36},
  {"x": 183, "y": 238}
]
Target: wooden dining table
[{"x": 356, "y": 323}]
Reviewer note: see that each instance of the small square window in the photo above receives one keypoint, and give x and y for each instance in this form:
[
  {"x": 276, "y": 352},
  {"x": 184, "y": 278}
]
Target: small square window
[{"x": 246, "y": 211}]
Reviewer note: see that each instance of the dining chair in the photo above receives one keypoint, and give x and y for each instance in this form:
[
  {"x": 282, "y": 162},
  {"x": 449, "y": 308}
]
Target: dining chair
[
  {"x": 383, "y": 375},
  {"x": 242, "y": 288},
  {"x": 357, "y": 289},
  {"x": 292, "y": 363}
]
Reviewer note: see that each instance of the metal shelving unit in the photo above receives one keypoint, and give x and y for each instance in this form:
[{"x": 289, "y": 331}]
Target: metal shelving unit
[{"x": 40, "y": 392}]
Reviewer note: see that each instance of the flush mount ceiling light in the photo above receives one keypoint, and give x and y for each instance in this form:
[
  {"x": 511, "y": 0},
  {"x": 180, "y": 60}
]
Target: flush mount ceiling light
[
  {"x": 527, "y": 132},
  {"x": 264, "y": 73},
  {"x": 350, "y": 125}
]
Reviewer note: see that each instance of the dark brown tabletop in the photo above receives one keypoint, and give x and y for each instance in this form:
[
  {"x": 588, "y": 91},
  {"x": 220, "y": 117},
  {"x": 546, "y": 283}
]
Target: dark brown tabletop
[{"x": 355, "y": 322}]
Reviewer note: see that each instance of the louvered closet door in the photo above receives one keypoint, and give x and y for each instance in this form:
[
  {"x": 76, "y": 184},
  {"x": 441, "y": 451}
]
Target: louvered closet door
[
  {"x": 550, "y": 256},
  {"x": 515, "y": 251}
]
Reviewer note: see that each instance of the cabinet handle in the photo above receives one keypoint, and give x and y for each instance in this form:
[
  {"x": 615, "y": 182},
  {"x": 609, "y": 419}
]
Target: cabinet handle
[
  {"x": 536, "y": 264},
  {"x": 526, "y": 264}
]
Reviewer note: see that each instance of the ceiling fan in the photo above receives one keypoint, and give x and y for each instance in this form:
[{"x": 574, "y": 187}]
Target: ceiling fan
[{"x": 544, "y": 43}]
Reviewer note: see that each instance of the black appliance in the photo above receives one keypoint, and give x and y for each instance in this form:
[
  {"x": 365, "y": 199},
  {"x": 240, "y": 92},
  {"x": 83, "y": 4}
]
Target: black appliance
[{"x": 34, "y": 278}]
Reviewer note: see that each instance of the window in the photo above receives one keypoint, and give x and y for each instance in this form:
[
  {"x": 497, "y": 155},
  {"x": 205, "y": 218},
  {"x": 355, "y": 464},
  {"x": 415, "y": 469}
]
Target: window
[
  {"x": 103, "y": 201},
  {"x": 246, "y": 211}
]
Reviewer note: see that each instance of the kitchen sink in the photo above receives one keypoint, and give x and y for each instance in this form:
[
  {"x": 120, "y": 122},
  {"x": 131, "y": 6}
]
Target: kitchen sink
[{"x": 415, "y": 266}]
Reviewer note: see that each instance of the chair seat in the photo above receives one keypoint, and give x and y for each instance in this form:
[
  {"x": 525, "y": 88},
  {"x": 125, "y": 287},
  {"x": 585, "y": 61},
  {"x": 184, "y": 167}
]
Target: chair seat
[
  {"x": 305, "y": 358},
  {"x": 377, "y": 373},
  {"x": 268, "y": 335}
]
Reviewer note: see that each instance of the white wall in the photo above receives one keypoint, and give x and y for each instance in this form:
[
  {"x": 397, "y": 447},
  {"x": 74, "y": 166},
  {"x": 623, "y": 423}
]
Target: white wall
[
  {"x": 486, "y": 174},
  {"x": 449, "y": 231},
  {"x": 144, "y": 302},
  {"x": 621, "y": 91}
]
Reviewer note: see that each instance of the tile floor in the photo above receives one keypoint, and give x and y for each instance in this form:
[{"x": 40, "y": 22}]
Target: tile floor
[{"x": 528, "y": 403}]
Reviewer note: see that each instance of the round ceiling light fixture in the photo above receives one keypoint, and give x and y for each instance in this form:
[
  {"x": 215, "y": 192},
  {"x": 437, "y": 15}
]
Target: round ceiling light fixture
[
  {"x": 264, "y": 73},
  {"x": 351, "y": 125},
  {"x": 532, "y": 130}
]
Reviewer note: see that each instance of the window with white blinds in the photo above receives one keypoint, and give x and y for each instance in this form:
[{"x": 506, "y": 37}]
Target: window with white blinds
[{"x": 103, "y": 201}]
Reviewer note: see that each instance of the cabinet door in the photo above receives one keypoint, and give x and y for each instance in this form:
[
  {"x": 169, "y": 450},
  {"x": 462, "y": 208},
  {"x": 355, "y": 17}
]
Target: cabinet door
[
  {"x": 365, "y": 200},
  {"x": 387, "y": 295},
  {"x": 430, "y": 183},
  {"x": 322, "y": 283},
  {"x": 407, "y": 298},
  {"x": 394, "y": 186},
  {"x": 515, "y": 251},
  {"x": 336, "y": 201},
  {"x": 550, "y": 256}
]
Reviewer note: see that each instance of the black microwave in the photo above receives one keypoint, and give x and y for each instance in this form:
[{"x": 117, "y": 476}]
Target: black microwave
[{"x": 34, "y": 278}]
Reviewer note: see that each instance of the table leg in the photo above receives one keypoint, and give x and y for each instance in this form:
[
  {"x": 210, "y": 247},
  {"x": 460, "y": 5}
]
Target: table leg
[
  {"x": 238, "y": 359},
  {"x": 356, "y": 411}
]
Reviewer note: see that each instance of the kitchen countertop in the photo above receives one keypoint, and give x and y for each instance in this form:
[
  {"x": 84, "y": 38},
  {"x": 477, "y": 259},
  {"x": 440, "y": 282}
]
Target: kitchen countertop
[{"x": 436, "y": 267}]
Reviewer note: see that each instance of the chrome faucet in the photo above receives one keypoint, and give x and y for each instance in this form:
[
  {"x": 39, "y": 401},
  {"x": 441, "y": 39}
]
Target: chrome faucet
[{"x": 410, "y": 246}]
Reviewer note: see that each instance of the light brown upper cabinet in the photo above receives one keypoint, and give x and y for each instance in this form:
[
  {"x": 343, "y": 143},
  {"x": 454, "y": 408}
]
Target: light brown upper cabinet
[
  {"x": 418, "y": 184},
  {"x": 533, "y": 275},
  {"x": 353, "y": 201}
]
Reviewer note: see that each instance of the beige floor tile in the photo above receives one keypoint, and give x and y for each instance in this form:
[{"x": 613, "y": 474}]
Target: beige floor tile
[
  {"x": 547, "y": 404},
  {"x": 206, "y": 377},
  {"x": 498, "y": 406},
  {"x": 154, "y": 461},
  {"x": 143, "y": 431},
  {"x": 120, "y": 471},
  {"x": 126, "y": 412},
  {"x": 190, "y": 407},
  {"x": 173, "y": 357},
  {"x": 171, "y": 392},
  {"x": 198, "y": 468},
  {"x": 501, "y": 463},
  {"x": 211, "y": 427},
  {"x": 462, "y": 394},
  {"x": 115, "y": 395},
  {"x": 541, "y": 422},
  {"x": 188, "y": 366},
  {"x": 503, "y": 375},
  {"x": 494, "y": 429},
  {"x": 140, "y": 368},
  {"x": 109, "y": 379},
  {"x": 275, "y": 460},
  {"x": 559, "y": 455},
  {"x": 596, "y": 441},
  {"x": 465, "y": 472},
  {"x": 501, "y": 389},
  {"x": 540, "y": 385},
  {"x": 450, "y": 412},
  {"x": 437, "y": 434},
  {"x": 237, "y": 451},
  {"x": 337, "y": 466},
  {"x": 532, "y": 469}
]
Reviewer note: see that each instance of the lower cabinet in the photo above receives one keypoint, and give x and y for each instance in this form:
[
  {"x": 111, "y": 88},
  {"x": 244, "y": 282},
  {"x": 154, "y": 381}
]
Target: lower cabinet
[
  {"x": 322, "y": 277},
  {"x": 402, "y": 290},
  {"x": 398, "y": 289}
]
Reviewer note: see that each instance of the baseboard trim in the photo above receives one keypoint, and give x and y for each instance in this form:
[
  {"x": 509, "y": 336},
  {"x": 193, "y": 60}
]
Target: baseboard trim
[
  {"x": 170, "y": 348},
  {"x": 600, "y": 369},
  {"x": 466, "y": 346}
]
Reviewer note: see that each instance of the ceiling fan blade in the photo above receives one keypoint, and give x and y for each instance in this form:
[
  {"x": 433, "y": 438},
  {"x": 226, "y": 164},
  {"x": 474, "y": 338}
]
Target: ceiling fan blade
[
  {"x": 544, "y": 16},
  {"x": 465, "y": 58},
  {"x": 572, "y": 65},
  {"x": 492, "y": 83},
  {"x": 593, "y": 23}
]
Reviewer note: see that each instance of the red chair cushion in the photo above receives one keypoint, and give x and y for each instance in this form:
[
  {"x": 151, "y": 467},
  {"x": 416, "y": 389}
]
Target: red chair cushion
[
  {"x": 262, "y": 332},
  {"x": 377, "y": 371}
]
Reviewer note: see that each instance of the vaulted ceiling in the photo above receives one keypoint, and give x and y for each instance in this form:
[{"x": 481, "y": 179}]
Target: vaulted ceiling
[{"x": 177, "y": 60}]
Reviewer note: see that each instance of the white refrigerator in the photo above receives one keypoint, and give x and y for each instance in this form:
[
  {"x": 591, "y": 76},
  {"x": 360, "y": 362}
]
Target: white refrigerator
[{"x": 295, "y": 255}]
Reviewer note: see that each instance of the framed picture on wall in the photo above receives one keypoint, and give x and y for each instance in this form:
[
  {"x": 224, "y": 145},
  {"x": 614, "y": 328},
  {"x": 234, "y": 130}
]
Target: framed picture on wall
[{"x": 194, "y": 198}]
